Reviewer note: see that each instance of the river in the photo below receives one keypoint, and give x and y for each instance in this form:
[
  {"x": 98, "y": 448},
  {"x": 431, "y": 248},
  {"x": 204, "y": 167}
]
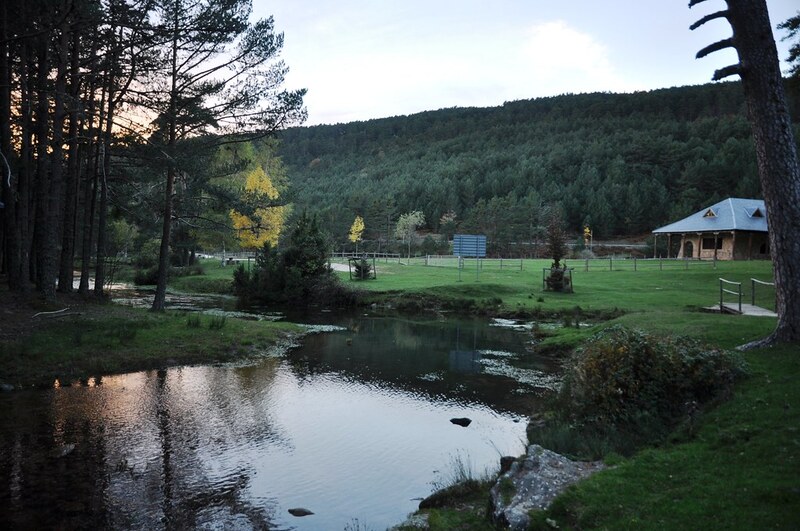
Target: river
[{"x": 354, "y": 425}]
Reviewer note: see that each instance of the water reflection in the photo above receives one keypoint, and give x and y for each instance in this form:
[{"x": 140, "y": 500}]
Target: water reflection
[
  {"x": 467, "y": 359},
  {"x": 352, "y": 425}
]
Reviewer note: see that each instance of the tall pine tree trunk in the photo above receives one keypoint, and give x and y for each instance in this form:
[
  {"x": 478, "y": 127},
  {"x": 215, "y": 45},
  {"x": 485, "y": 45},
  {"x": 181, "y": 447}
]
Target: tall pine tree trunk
[
  {"x": 90, "y": 175},
  {"x": 65, "y": 274},
  {"x": 776, "y": 152},
  {"x": 172, "y": 118},
  {"x": 23, "y": 192},
  {"x": 43, "y": 163},
  {"x": 52, "y": 230},
  {"x": 89, "y": 205},
  {"x": 163, "y": 255},
  {"x": 100, "y": 266},
  {"x": 8, "y": 225}
]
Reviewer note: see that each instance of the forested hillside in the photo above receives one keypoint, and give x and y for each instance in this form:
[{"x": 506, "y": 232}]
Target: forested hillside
[{"x": 621, "y": 163}]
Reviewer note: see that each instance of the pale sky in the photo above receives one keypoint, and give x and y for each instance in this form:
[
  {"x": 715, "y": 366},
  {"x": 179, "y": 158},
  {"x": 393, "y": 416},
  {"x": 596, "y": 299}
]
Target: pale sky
[{"x": 362, "y": 59}]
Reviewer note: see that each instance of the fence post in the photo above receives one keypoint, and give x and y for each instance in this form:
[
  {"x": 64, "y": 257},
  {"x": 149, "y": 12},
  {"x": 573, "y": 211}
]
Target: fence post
[
  {"x": 520, "y": 264},
  {"x": 587, "y": 265},
  {"x": 634, "y": 263},
  {"x": 501, "y": 263},
  {"x": 610, "y": 264},
  {"x": 660, "y": 264},
  {"x": 752, "y": 291},
  {"x": 721, "y": 308},
  {"x": 687, "y": 264},
  {"x": 740, "y": 298}
]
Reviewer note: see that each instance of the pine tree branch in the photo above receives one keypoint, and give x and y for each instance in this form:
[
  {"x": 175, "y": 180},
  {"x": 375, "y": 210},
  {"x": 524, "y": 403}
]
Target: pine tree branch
[
  {"x": 717, "y": 46},
  {"x": 708, "y": 18},
  {"x": 731, "y": 70}
]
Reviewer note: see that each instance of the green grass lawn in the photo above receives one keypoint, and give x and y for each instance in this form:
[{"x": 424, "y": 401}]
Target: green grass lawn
[{"x": 643, "y": 289}]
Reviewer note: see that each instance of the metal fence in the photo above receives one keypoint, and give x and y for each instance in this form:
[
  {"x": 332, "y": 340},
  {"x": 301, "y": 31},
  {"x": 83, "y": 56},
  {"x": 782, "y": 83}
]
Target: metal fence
[
  {"x": 241, "y": 255},
  {"x": 586, "y": 264},
  {"x": 637, "y": 264},
  {"x": 386, "y": 257},
  {"x": 469, "y": 263}
]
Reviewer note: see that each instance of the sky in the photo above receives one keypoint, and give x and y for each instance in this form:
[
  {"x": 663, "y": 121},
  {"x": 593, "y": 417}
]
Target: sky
[{"x": 362, "y": 59}]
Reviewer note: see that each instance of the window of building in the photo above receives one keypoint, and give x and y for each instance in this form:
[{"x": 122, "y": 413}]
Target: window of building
[
  {"x": 708, "y": 243},
  {"x": 710, "y": 214}
]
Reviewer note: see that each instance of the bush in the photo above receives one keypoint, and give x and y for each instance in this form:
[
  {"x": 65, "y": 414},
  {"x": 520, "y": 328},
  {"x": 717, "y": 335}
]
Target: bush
[
  {"x": 147, "y": 257},
  {"x": 330, "y": 291},
  {"x": 146, "y": 277},
  {"x": 625, "y": 388},
  {"x": 297, "y": 274}
]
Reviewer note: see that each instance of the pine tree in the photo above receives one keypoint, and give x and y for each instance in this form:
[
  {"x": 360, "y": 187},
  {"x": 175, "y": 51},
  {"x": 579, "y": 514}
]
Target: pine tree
[
  {"x": 218, "y": 74},
  {"x": 776, "y": 150}
]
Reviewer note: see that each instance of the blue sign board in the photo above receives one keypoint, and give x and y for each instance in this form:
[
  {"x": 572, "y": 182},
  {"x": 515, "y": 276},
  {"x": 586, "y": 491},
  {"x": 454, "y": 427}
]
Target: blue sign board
[{"x": 469, "y": 245}]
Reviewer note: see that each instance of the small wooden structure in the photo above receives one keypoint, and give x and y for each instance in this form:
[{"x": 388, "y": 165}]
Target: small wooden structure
[{"x": 728, "y": 287}]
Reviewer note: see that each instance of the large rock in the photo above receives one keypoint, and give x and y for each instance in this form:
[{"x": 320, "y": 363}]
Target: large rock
[{"x": 533, "y": 482}]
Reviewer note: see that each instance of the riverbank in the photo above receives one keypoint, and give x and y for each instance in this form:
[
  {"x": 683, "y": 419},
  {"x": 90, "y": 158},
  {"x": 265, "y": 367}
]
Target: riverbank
[
  {"x": 738, "y": 461},
  {"x": 734, "y": 465},
  {"x": 76, "y": 338}
]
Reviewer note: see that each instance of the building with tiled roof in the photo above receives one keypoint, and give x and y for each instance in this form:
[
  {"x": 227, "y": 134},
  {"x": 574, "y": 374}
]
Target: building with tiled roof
[{"x": 733, "y": 229}]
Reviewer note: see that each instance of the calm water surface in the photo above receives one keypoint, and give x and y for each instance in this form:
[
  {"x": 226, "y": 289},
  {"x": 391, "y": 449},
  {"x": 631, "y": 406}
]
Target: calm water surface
[{"x": 354, "y": 425}]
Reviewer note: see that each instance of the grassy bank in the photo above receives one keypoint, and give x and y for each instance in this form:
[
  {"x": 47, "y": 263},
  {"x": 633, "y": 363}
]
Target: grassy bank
[
  {"x": 739, "y": 470},
  {"x": 97, "y": 339}
]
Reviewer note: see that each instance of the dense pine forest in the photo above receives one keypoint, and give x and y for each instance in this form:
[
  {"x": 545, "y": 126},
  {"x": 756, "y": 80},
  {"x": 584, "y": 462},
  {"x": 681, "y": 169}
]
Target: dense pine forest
[
  {"x": 622, "y": 164},
  {"x": 126, "y": 129}
]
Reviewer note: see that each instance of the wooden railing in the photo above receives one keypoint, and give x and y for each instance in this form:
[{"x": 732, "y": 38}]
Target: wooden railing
[
  {"x": 753, "y": 283},
  {"x": 723, "y": 291}
]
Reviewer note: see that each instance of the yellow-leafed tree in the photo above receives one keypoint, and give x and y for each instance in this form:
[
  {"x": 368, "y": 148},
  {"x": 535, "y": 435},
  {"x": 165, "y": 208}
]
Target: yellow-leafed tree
[
  {"x": 356, "y": 230},
  {"x": 266, "y": 223}
]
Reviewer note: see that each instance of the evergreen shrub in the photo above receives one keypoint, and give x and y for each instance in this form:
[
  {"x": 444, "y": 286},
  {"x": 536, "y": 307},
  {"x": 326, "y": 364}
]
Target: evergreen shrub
[
  {"x": 363, "y": 269},
  {"x": 295, "y": 273}
]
